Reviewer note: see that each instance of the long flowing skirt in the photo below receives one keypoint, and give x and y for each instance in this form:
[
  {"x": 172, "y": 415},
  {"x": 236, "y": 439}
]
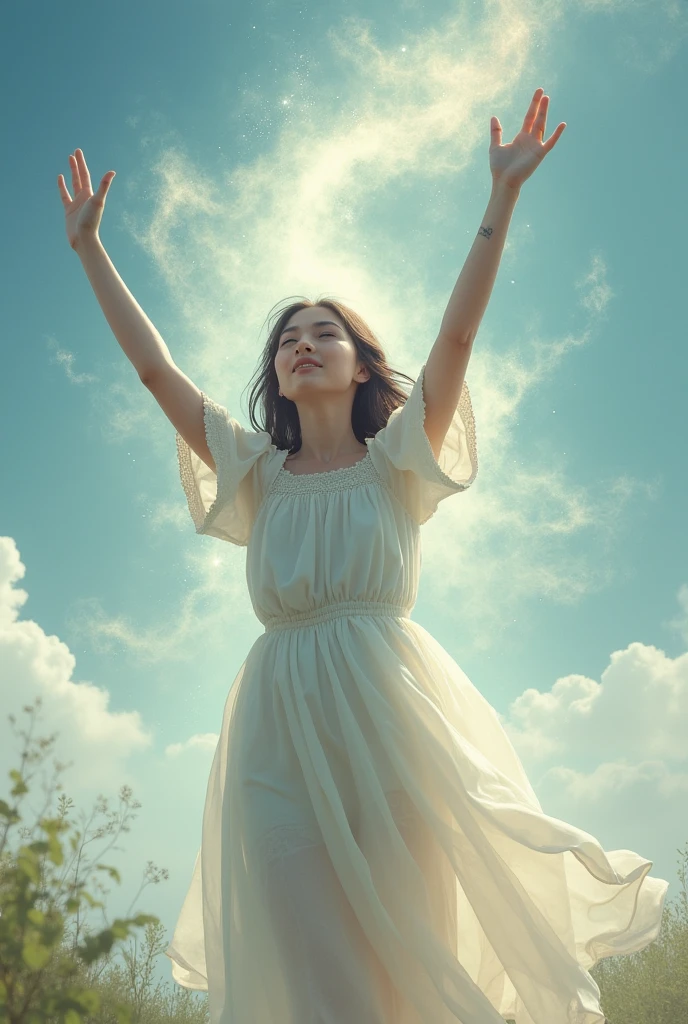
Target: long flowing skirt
[{"x": 372, "y": 851}]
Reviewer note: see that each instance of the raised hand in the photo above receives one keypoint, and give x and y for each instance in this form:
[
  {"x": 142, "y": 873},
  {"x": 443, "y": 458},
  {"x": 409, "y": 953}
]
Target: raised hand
[
  {"x": 83, "y": 213},
  {"x": 514, "y": 163}
]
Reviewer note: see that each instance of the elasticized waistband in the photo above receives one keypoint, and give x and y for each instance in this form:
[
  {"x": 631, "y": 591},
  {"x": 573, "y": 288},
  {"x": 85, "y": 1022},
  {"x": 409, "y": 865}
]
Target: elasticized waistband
[{"x": 342, "y": 609}]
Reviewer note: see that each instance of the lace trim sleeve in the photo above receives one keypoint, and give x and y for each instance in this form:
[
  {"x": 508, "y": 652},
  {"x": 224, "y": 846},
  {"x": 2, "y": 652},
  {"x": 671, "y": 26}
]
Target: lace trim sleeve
[
  {"x": 223, "y": 503},
  {"x": 417, "y": 478}
]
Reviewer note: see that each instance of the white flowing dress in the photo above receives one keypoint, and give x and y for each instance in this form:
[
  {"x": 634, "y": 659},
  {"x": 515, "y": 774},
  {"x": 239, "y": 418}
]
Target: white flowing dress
[{"x": 372, "y": 851}]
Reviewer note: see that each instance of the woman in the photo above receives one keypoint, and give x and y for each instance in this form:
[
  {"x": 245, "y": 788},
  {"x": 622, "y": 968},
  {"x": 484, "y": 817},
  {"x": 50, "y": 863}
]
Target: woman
[{"x": 372, "y": 850}]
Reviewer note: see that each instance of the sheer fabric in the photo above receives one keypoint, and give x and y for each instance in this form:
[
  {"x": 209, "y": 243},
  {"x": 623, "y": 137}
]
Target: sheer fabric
[{"x": 372, "y": 851}]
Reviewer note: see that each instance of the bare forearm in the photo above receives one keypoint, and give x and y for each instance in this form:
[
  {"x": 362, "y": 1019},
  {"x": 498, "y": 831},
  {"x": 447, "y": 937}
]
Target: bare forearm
[
  {"x": 138, "y": 337},
  {"x": 472, "y": 291}
]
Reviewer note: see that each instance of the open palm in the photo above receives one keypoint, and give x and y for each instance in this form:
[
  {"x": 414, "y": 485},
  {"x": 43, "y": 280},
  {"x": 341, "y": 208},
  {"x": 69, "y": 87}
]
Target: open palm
[
  {"x": 84, "y": 212},
  {"x": 513, "y": 163}
]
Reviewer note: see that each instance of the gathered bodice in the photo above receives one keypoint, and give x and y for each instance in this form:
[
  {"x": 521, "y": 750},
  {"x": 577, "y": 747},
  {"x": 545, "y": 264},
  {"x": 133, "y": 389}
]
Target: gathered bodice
[{"x": 331, "y": 538}]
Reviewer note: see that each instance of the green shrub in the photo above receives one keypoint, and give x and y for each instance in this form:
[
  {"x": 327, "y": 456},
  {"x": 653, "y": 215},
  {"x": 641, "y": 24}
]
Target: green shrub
[
  {"x": 651, "y": 986},
  {"x": 49, "y": 955}
]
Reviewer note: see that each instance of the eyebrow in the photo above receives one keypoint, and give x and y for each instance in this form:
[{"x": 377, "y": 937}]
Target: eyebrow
[{"x": 317, "y": 323}]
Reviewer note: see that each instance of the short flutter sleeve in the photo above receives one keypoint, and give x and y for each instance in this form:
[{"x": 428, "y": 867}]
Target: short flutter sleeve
[
  {"x": 224, "y": 504},
  {"x": 403, "y": 455}
]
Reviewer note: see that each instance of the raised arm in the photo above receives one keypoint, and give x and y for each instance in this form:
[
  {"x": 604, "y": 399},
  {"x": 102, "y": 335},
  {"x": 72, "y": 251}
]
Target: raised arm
[
  {"x": 510, "y": 165},
  {"x": 178, "y": 397},
  {"x": 138, "y": 337}
]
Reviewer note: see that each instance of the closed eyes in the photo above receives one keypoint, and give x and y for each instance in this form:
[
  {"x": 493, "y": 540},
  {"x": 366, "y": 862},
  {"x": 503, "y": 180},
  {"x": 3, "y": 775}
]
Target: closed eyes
[{"x": 325, "y": 334}]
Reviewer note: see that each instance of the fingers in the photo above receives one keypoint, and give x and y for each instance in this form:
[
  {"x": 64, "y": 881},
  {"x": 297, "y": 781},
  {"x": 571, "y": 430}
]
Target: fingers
[
  {"x": 64, "y": 193},
  {"x": 541, "y": 119},
  {"x": 495, "y": 132},
  {"x": 81, "y": 178},
  {"x": 105, "y": 185},
  {"x": 532, "y": 110},
  {"x": 83, "y": 169},
  {"x": 556, "y": 134},
  {"x": 76, "y": 177}
]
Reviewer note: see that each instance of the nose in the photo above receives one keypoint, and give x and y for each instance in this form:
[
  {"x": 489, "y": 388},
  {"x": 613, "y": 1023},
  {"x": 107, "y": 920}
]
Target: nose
[{"x": 304, "y": 350}]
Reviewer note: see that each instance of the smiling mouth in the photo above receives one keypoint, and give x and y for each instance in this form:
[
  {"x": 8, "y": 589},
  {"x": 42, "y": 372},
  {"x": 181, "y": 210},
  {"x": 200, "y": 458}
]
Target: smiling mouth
[{"x": 312, "y": 366}]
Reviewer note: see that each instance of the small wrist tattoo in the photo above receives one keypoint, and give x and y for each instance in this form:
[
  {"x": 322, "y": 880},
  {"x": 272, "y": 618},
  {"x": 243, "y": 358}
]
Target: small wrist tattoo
[{"x": 485, "y": 232}]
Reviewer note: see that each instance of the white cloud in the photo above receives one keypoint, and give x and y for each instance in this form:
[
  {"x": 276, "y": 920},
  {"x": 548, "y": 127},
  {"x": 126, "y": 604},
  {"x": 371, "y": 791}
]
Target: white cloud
[
  {"x": 66, "y": 360},
  {"x": 102, "y": 749},
  {"x": 597, "y": 293},
  {"x": 639, "y": 708},
  {"x": 206, "y": 742},
  {"x": 610, "y": 778},
  {"x": 611, "y": 755},
  {"x": 97, "y": 740}
]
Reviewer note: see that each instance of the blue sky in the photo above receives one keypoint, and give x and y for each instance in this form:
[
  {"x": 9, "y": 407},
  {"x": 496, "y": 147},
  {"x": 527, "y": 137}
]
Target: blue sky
[{"x": 264, "y": 151}]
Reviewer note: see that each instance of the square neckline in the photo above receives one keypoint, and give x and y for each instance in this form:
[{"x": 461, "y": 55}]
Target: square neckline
[{"x": 323, "y": 472}]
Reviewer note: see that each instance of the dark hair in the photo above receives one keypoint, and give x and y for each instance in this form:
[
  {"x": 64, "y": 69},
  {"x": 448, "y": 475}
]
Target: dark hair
[{"x": 374, "y": 401}]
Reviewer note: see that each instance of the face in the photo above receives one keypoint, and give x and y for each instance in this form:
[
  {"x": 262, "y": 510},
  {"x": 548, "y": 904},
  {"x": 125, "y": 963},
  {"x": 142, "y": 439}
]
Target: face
[{"x": 328, "y": 344}]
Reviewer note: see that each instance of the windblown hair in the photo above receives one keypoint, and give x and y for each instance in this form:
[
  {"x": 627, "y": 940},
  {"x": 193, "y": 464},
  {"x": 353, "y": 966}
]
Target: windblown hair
[{"x": 375, "y": 398}]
